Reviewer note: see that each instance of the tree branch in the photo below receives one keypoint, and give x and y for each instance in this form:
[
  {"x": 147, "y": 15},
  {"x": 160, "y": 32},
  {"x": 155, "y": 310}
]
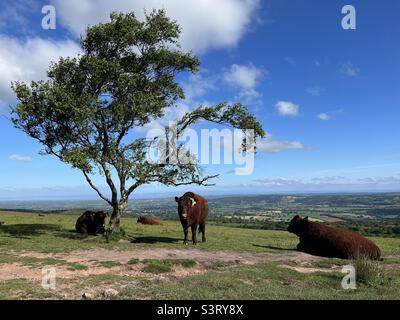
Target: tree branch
[
  {"x": 110, "y": 183},
  {"x": 95, "y": 188},
  {"x": 200, "y": 182}
]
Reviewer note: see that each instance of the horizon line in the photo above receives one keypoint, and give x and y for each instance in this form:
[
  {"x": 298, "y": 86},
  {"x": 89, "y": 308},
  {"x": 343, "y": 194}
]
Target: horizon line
[{"x": 164, "y": 196}]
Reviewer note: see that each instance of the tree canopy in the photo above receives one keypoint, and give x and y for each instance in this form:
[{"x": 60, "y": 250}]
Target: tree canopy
[{"x": 85, "y": 111}]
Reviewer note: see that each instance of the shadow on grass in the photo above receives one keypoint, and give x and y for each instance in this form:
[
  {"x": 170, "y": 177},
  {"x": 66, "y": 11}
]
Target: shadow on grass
[
  {"x": 71, "y": 234},
  {"x": 27, "y": 230},
  {"x": 152, "y": 240},
  {"x": 273, "y": 248}
]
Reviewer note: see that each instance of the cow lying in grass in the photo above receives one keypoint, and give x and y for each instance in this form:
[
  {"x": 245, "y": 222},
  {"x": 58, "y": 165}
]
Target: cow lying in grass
[
  {"x": 91, "y": 222},
  {"x": 193, "y": 213},
  {"x": 326, "y": 241},
  {"x": 148, "y": 220}
]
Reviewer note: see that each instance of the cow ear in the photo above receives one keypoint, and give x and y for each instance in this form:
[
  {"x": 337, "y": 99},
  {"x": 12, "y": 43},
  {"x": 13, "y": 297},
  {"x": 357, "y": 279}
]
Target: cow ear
[
  {"x": 176, "y": 199},
  {"x": 296, "y": 218},
  {"x": 306, "y": 218},
  {"x": 195, "y": 197}
]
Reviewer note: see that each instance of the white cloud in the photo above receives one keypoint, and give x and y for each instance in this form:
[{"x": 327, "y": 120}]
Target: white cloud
[
  {"x": 198, "y": 85},
  {"x": 324, "y": 116},
  {"x": 245, "y": 78},
  {"x": 349, "y": 69},
  {"x": 380, "y": 180},
  {"x": 265, "y": 145},
  {"x": 16, "y": 157},
  {"x": 328, "y": 179},
  {"x": 15, "y": 14},
  {"x": 195, "y": 87},
  {"x": 287, "y": 108},
  {"x": 206, "y": 23},
  {"x": 317, "y": 63},
  {"x": 330, "y": 183},
  {"x": 314, "y": 91},
  {"x": 290, "y": 60},
  {"x": 28, "y": 60},
  {"x": 270, "y": 145},
  {"x": 277, "y": 182}
]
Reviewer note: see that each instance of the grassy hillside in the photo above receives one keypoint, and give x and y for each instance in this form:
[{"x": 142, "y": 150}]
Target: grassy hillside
[{"x": 150, "y": 262}]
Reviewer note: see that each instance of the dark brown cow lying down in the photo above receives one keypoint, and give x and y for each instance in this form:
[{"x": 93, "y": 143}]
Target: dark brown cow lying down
[
  {"x": 326, "y": 241},
  {"x": 91, "y": 222},
  {"x": 148, "y": 220},
  {"x": 193, "y": 213}
]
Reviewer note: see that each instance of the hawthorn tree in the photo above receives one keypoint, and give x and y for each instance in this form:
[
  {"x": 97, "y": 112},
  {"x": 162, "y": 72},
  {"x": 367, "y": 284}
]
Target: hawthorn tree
[{"x": 87, "y": 110}]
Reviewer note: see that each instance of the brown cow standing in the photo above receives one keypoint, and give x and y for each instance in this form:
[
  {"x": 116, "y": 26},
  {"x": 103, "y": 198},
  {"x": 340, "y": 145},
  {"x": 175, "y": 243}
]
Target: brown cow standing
[
  {"x": 193, "y": 213},
  {"x": 148, "y": 220},
  {"x": 322, "y": 240},
  {"x": 91, "y": 222}
]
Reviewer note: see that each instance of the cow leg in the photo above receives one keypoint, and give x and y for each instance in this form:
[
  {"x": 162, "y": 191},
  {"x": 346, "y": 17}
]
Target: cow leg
[
  {"x": 300, "y": 246},
  {"x": 185, "y": 227},
  {"x": 202, "y": 228},
  {"x": 185, "y": 231},
  {"x": 194, "y": 236},
  {"x": 310, "y": 248},
  {"x": 303, "y": 247}
]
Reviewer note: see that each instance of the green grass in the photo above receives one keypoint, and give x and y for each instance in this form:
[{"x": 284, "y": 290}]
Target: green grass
[
  {"x": 369, "y": 272},
  {"x": 156, "y": 266},
  {"x": 186, "y": 263},
  {"x": 133, "y": 261},
  {"x": 166, "y": 265},
  {"x": 22, "y": 289},
  {"x": 160, "y": 266},
  {"x": 76, "y": 266},
  {"x": 109, "y": 264},
  {"x": 55, "y": 234},
  {"x": 261, "y": 281},
  {"x": 39, "y": 262},
  {"x": 329, "y": 263}
]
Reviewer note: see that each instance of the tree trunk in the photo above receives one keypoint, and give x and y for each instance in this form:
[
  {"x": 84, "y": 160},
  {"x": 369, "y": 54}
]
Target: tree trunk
[{"x": 115, "y": 219}]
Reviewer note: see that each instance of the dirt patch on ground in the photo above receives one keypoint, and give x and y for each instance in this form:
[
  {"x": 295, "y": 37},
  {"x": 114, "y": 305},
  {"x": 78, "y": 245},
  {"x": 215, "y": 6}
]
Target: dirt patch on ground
[
  {"x": 311, "y": 269},
  {"x": 73, "y": 283},
  {"x": 16, "y": 271},
  {"x": 203, "y": 257},
  {"x": 91, "y": 258},
  {"x": 206, "y": 260},
  {"x": 392, "y": 266},
  {"x": 389, "y": 263},
  {"x": 11, "y": 271}
]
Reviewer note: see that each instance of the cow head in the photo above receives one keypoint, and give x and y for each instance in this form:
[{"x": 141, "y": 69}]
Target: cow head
[
  {"x": 185, "y": 204},
  {"x": 298, "y": 225}
]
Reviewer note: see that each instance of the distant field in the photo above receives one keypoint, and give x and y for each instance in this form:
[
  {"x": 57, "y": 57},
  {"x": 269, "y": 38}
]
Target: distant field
[{"x": 150, "y": 262}]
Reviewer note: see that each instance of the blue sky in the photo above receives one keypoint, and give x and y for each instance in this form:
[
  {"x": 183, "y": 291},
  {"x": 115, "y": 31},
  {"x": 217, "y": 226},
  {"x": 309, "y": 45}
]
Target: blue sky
[{"x": 328, "y": 98}]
